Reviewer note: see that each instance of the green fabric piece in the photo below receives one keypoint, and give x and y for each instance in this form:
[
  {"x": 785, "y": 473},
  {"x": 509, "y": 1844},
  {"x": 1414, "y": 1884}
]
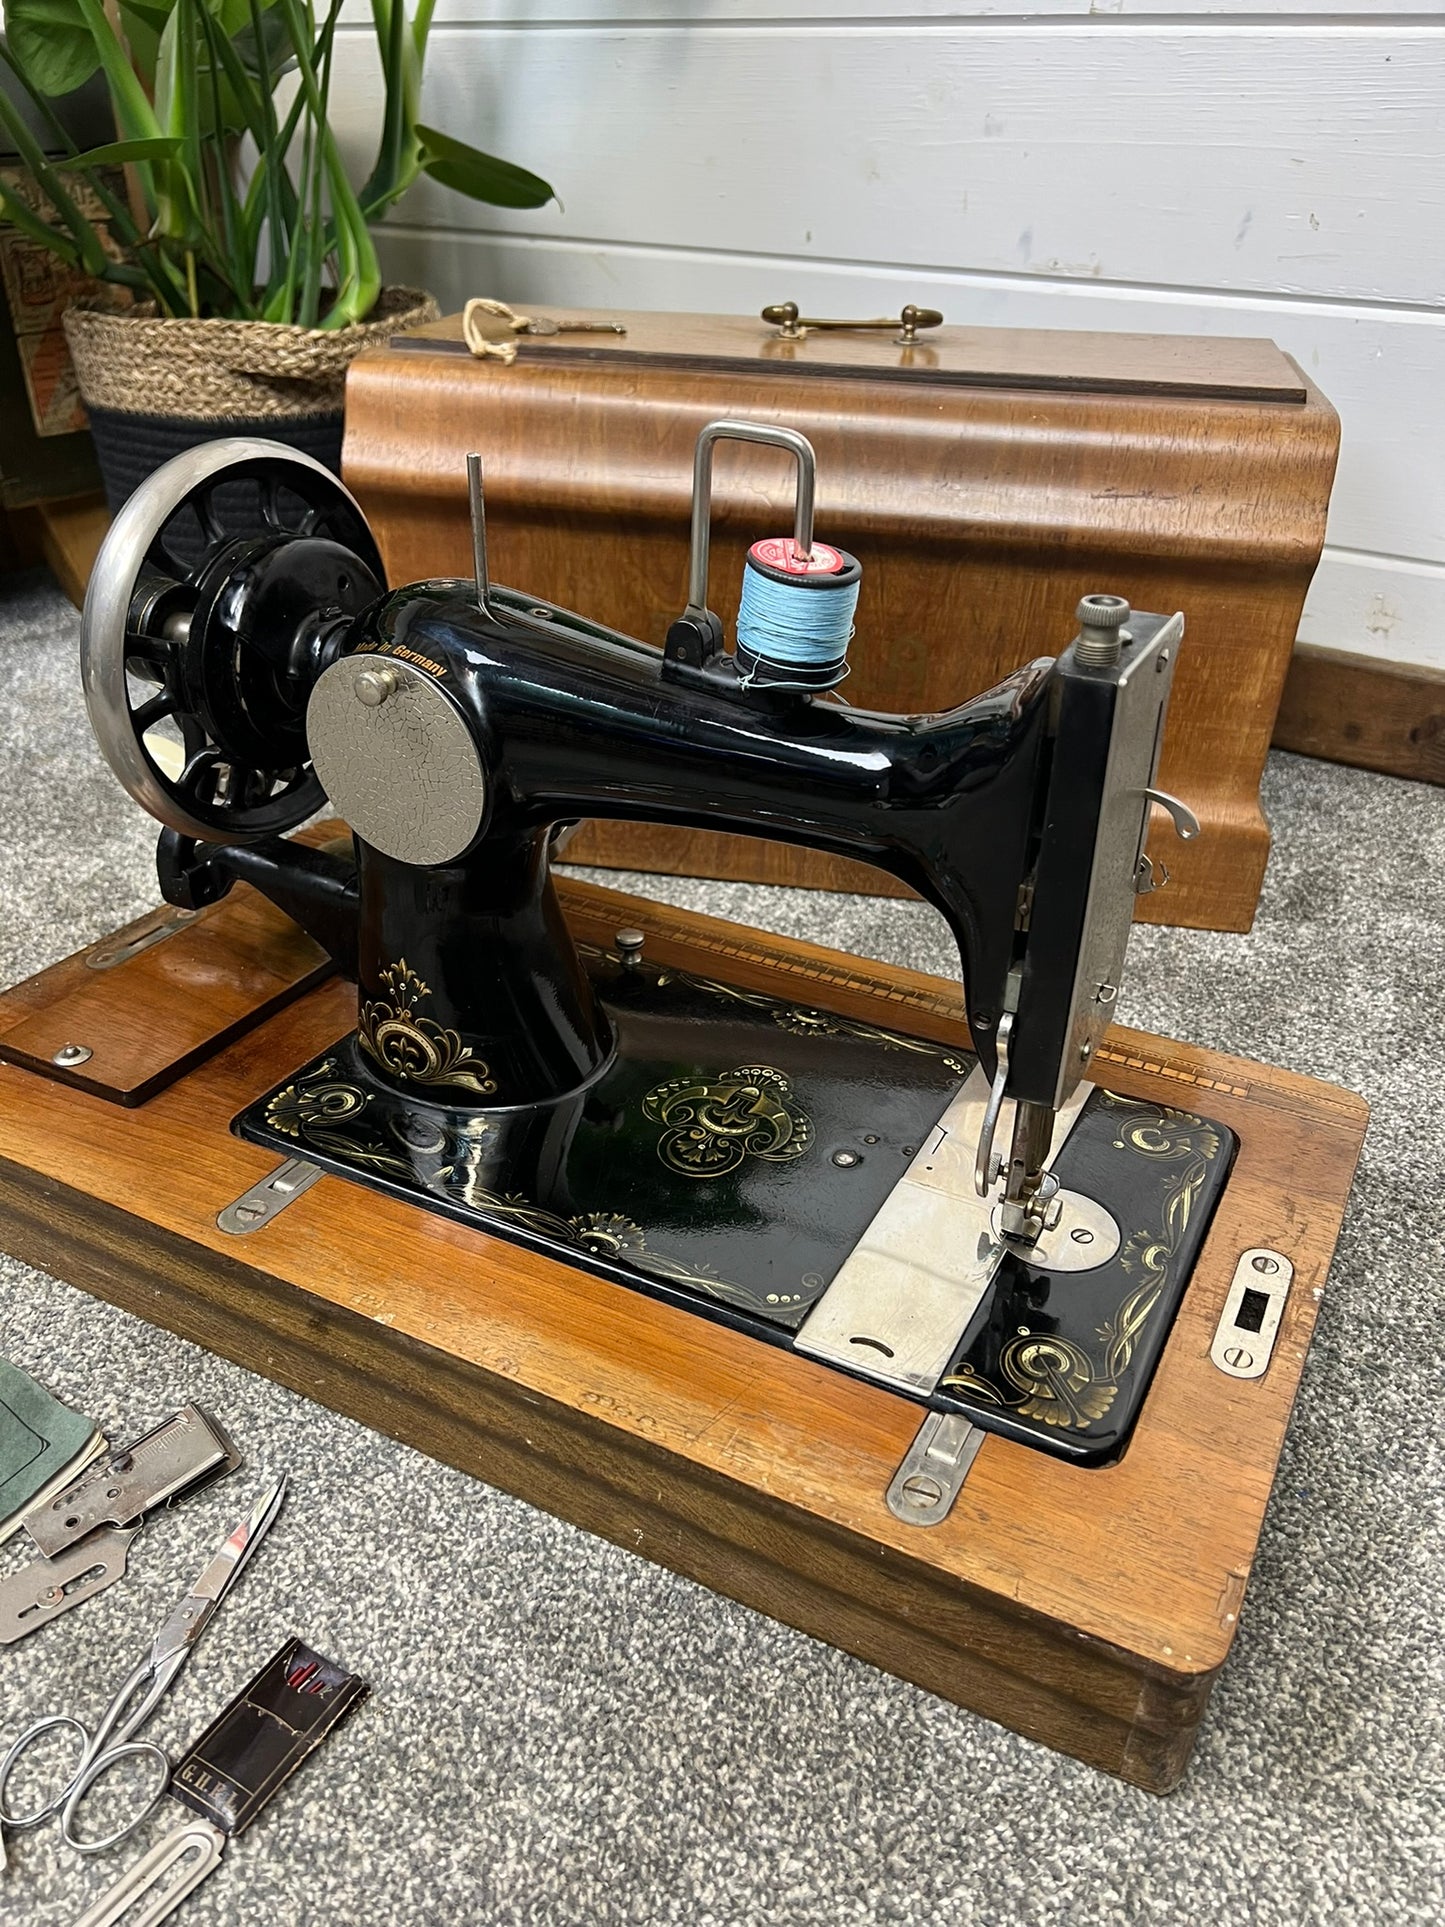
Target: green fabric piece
[{"x": 38, "y": 1438}]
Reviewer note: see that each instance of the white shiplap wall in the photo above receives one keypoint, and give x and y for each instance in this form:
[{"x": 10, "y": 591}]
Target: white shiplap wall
[{"x": 1268, "y": 169}]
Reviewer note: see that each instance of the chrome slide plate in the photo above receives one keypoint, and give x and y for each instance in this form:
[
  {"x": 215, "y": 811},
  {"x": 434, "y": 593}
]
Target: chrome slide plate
[{"x": 899, "y": 1305}]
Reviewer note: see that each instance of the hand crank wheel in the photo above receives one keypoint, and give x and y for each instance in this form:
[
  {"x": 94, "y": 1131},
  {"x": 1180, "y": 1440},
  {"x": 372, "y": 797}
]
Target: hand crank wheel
[{"x": 207, "y": 619}]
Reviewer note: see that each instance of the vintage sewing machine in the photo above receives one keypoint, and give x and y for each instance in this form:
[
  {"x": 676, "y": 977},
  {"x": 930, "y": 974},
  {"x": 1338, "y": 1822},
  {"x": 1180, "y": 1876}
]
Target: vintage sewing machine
[{"x": 854, "y": 1200}]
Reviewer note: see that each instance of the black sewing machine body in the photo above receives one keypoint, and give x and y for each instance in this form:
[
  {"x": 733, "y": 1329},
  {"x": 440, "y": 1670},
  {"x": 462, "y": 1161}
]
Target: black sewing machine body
[{"x": 825, "y": 1184}]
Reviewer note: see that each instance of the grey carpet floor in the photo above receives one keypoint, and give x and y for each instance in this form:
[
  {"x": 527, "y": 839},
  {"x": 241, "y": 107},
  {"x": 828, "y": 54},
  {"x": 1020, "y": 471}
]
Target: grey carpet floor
[{"x": 561, "y": 1733}]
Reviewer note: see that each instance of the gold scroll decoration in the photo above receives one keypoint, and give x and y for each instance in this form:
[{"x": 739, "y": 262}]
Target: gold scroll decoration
[
  {"x": 1051, "y": 1379},
  {"x": 415, "y": 1049},
  {"x": 714, "y": 1124},
  {"x": 322, "y": 1110}
]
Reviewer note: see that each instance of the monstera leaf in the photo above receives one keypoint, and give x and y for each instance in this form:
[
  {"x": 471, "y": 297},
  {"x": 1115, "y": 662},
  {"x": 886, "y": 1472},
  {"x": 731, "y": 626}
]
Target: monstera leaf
[{"x": 52, "y": 42}]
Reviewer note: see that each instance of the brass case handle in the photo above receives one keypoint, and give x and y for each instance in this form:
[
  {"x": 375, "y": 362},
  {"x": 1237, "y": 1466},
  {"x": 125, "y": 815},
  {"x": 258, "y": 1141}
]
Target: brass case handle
[{"x": 792, "y": 326}]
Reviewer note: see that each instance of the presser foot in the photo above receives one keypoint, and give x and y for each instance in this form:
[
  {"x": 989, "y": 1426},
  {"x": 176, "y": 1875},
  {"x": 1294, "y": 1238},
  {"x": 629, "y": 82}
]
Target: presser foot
[
  {"x": 808, "y": 1178},
  {"x": 1022, "y": 1221}
]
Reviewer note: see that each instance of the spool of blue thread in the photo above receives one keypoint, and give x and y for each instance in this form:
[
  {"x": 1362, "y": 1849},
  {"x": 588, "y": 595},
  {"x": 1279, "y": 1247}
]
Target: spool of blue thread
[{"x": 795, "y": 620}]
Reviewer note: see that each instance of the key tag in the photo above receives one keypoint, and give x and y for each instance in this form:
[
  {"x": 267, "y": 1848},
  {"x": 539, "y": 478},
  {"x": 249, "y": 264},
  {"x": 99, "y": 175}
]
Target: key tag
[{"x": 231, "y": 1772}]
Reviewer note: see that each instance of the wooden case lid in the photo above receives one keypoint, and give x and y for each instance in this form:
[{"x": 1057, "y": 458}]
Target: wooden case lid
[{"x": 1224, "y": 368}]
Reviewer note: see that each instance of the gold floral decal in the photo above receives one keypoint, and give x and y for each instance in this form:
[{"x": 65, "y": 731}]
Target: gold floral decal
[
  {"x": 415, "y": 1049},
  {"x": 714, "y": 1124},
  {"x": 1053, "y": 1380},
  {"x": 323, "y": 1111}
]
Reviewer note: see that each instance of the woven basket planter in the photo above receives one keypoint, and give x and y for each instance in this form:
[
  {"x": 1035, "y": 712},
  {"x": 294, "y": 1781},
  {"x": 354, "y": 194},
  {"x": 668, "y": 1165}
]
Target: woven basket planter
[{"x": 154, "y": 386}]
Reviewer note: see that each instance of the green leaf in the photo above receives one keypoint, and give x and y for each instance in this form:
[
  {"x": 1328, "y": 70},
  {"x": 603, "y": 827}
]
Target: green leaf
[
  {"x": 52, "y": 42},
  {"x": 143, "y": 26},
  {"x": 266, "y": 53},
  {"x": 161, "y": 147},
  {"x": 154, "y": 18},
  {"x": 481, "y": 176},
  {"x": 132, "y": 106}
]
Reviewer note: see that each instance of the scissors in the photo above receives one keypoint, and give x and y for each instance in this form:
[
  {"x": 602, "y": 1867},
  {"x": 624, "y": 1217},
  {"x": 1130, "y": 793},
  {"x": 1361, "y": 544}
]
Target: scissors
[{"x": 114, "y": 1738}]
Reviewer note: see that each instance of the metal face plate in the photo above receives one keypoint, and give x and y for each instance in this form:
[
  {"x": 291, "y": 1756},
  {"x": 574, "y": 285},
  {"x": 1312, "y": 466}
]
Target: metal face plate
[
  {"x": 1143, "y": 701},
  {"x": 903, "y": 1298},
  {"x": 404, "y": 771},
  {"x": 1249, "y": 1324}
]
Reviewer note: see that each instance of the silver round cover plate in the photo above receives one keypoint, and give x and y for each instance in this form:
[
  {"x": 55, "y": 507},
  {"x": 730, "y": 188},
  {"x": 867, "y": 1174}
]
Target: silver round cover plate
[{"x": 406, "y": 773}]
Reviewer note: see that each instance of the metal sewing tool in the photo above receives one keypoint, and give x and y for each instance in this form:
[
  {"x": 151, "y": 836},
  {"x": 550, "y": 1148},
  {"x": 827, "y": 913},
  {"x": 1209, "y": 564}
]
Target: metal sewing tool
[
  {"x": 176, "y": 1458},
  {"x": 229, "y": 1775},
  {"x": 114, "y": 1738},
  {"x": 84, "y": 1533},
  {"x": 46, "y": 1588}
]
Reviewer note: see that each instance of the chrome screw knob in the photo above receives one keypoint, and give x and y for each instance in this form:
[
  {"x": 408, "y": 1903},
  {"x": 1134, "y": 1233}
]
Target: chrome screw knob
[
  {"x": 629, "y": 947},
  {"x": 374, "y": 686},
  {"x": 1101, "y": 621}
]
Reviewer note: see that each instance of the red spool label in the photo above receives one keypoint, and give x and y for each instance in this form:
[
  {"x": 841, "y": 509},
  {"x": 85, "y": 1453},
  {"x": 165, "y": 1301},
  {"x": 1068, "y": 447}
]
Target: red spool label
[{"x": 782, "y": 552}]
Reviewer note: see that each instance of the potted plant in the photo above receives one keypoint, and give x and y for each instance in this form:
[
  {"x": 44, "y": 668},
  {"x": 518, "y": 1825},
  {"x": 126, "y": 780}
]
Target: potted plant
[{"x": 237, "y": 267}]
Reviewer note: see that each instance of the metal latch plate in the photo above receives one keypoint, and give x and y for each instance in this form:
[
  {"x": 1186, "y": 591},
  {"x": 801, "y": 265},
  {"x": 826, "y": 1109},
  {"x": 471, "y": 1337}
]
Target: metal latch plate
[
  {"x": 115, "y": 951},
  {"x": 1249, "y": 1323},
  {"x": 259, "y": 1205},
  {"x": 933, "y": 1471}
]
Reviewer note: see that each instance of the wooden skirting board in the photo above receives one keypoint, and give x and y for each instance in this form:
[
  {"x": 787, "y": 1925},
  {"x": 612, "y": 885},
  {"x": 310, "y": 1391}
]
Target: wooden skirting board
[
  {"x": 67, "y": 535},
  {"x": 1089, "y": 1609},
  {"x": 1348, "y": 708}
]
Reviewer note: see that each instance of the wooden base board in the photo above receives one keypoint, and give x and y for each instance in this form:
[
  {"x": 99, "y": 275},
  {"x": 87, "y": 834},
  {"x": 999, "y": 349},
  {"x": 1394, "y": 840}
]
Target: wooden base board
[
  {"x": 1091, "y": 1610},
  {"x": 67, "y": 535}
]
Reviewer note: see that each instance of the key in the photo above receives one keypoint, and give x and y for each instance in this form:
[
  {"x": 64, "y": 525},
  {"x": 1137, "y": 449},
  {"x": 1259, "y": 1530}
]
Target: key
[{"x": 542, "y": 324}]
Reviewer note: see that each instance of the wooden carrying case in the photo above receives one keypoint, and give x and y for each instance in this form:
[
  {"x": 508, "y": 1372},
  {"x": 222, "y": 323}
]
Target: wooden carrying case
[{"x": 984, "y": 478}]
